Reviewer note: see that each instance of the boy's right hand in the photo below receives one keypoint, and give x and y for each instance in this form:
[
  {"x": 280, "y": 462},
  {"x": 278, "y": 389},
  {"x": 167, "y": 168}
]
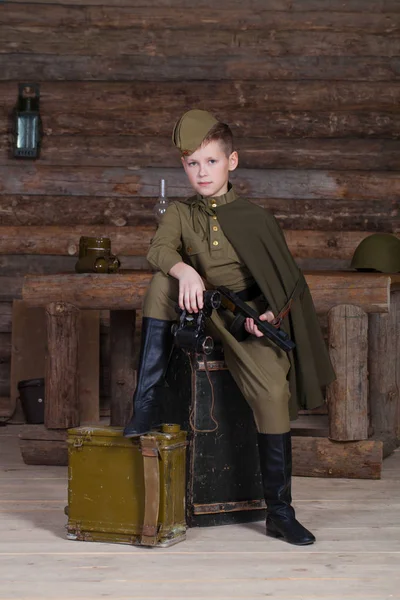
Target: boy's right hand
[{"x": 191, "y": 287}]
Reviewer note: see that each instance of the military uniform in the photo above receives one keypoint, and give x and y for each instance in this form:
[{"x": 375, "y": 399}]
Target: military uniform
[{"x": 259, "y": 368}]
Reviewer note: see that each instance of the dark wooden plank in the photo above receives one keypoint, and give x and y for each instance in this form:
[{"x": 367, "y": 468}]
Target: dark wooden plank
[
  {"x": 252, "y": 183},
  {"x": 361, "y": 6},
  {"x": 10, "y": 288},
  {"x": 15, "y": 67},
  {"x": 141, "y": 99},
  {"x": 255, "y": 123},
  {"x": 200, "y": 18},
  {"x": 89, "y": 367},
  {"x": 5, "y": 317},
  {"x": 20, "y": 264},
  {"x": 165, "y": 43},
  {"x": 255, "y": 153},
  {"x": 5, "y": 379},
  {"x": 325, "y": 214},
  {"x": 5, "y": 347},
  {"x": 5, "y": 408},
  {"x": 122, "y": 370}
]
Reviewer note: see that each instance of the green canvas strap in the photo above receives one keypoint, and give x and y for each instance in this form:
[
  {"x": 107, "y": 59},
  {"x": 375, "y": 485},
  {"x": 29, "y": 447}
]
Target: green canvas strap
[{"x": 151, "y": 467}]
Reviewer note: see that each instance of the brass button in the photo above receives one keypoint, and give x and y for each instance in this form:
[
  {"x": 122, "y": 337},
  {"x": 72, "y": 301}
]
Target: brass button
[
  {"x": 189, "y": 249},
  {"x": 215, "y": 243},
  {"x": 214, "y": 217},
  {"x": 215, "y": 228},
  {"x": 213, "y": 205}
]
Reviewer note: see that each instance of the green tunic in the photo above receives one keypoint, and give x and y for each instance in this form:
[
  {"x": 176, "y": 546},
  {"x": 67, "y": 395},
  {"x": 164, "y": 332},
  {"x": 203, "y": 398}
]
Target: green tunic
[{"x": 197, "y": 231}]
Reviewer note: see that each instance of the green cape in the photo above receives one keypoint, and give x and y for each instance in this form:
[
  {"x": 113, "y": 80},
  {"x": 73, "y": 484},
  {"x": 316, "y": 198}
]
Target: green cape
[{"x": 260, "y": 243}]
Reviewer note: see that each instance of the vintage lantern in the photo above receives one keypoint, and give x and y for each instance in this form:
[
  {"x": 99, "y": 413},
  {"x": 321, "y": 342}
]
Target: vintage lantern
[{"x": 27, "y": 124}]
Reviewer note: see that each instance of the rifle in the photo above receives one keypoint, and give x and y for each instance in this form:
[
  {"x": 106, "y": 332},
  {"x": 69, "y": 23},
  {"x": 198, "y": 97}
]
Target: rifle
[{"x": 239, "y": 307}]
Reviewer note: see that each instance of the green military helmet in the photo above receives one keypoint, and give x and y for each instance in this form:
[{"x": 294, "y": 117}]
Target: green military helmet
[{"x": 378, "y": 252}]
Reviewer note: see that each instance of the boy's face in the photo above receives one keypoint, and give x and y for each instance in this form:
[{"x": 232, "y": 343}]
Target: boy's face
[{"x": 208, "y": 169}]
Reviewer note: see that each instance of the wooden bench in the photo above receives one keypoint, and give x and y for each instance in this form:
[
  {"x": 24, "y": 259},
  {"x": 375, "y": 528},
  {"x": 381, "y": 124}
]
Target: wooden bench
[{"x": 348, "y": 297}]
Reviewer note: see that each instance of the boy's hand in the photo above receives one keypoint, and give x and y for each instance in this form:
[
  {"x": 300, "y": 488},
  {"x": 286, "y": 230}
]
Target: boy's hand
[
  {"x": 251, "y": 327},
  {"x": 191, "y": 287}
]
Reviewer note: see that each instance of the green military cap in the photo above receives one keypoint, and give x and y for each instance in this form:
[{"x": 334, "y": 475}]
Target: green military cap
[
  {"x": 191, "y": 129},
  {"x": 378, "y": 252}
]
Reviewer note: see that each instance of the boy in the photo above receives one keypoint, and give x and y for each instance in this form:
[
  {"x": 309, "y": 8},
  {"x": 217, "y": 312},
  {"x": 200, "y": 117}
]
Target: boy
[{"x": 221, "y": 239}]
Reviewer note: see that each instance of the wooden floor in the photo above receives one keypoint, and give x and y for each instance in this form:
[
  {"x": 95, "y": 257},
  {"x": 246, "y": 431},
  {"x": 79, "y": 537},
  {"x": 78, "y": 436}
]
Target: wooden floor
[{"x": 357, "y": 554}]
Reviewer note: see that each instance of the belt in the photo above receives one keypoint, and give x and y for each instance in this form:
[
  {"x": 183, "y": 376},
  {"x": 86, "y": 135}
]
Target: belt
[{"x": 250, "y": 293}]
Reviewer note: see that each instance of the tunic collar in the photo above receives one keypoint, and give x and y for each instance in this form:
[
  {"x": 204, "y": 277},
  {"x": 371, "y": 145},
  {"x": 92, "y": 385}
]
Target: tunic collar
[{"x": 230, "y": 196}]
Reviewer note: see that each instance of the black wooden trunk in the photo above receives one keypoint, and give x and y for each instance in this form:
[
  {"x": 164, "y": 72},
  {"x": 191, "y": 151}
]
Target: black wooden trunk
[{"x": 224, "y": 482}]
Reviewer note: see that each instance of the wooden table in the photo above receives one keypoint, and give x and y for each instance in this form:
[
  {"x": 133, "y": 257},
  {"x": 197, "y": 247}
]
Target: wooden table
[{"x": 351, "y": 299}]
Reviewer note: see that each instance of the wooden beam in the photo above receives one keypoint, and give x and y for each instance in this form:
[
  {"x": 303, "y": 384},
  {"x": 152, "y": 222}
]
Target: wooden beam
[
  {"x": 369, "y": 291},
  {"x": 321, "y": 457},
  {"x": 126, "y": 290},
  {"x": 384, "y": 371},
  {"x": 61, "y": 369},
  {"x": 347, "y": 396},
  {"x": 108, "y": 292}
]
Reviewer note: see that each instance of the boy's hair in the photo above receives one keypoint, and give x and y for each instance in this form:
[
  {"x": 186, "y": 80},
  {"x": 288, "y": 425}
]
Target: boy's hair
[{"x": 221, "y": 133}]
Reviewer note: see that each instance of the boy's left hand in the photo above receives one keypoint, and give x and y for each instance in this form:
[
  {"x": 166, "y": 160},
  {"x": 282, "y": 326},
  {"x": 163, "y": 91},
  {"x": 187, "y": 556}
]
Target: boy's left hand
[{"x": 251, "y": 327}]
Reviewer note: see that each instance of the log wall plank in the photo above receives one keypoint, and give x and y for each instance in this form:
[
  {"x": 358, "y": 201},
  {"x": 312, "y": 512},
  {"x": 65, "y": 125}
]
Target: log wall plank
[
  {"x": 211, "y": 19},
  {"x": 255, "y": 153},
  {"x": 226, "y": 99},
  {"x": 166, "y": 43},
  {"x": 323, "y": 214},
  {"x": 120, "y": 182},
  {"x": 144, "y": 68},
  {"x": 5, "y": 317},
  {"x": 10, "y": 288},
  {"x": 135, "y": 241},
  {"x": 245, "y": 124},
  {"x": 358, "y": 6}
]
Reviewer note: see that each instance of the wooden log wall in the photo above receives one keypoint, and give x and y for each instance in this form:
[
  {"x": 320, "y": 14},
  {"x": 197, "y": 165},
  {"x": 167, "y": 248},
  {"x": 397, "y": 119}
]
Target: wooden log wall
[{"x": 311, "y": 89}]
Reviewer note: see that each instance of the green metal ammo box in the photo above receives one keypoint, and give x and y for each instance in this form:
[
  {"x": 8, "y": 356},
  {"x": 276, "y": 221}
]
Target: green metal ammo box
[{"x": 127, "y": 491}]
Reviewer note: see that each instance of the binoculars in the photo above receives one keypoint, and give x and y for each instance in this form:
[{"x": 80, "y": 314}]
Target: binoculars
[{"x": 95, "y": 256}]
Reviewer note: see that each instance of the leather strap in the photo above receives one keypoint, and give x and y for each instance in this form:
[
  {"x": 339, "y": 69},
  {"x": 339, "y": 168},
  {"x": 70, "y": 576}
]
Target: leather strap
[
  {"x": 151, "y": 467},
  {"x": 298, "y": 288}
]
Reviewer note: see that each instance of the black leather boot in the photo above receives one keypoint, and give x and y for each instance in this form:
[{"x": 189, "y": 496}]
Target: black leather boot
[
  {"x": 276, "y": 470},
  {"x": 155, "y": 351}
]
